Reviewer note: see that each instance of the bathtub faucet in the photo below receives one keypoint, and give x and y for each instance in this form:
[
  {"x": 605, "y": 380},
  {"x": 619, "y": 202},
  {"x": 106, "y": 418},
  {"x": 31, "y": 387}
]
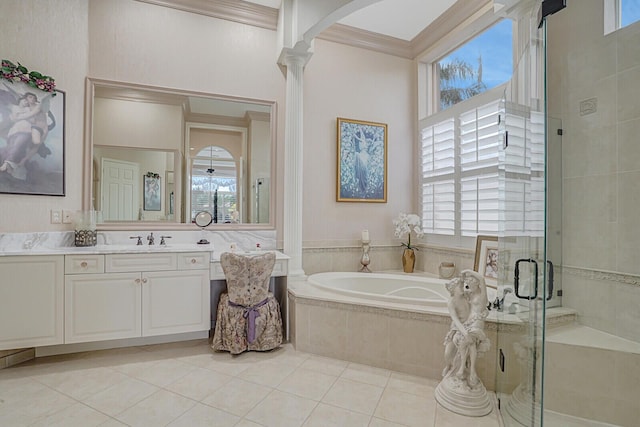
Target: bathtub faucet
[{"x": 498, "y": 303}]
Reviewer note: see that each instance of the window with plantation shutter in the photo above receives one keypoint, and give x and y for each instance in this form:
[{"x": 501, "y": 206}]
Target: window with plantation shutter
[
  {"x": 460, "y": 154},
  {"x": 522, "y": 172}
]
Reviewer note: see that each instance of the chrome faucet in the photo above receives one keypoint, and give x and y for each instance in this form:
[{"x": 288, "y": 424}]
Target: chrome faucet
[
  {"x": 498, "y": 303},
  {"x": 151, "y": 239},
  {"x": 162, "y": 242}
]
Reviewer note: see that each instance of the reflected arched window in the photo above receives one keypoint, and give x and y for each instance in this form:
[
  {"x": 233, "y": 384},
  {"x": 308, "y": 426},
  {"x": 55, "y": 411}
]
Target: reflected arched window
[{"x": 214, "y": 184}]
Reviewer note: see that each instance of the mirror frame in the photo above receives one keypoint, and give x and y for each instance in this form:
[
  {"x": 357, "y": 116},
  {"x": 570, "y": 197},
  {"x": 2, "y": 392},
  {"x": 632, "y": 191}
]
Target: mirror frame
[{"x": 90, "y": 87}]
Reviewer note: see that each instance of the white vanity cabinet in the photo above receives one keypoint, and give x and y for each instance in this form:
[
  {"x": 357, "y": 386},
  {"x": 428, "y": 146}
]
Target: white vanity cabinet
[
  {"x": 116, "y": 296},
  {"x": 31, "y": 303}
]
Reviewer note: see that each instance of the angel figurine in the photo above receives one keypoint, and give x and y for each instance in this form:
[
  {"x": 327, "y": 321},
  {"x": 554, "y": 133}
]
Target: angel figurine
[
  {"x": 25, "y": 123},
  {"x": 466, "y": 338}
]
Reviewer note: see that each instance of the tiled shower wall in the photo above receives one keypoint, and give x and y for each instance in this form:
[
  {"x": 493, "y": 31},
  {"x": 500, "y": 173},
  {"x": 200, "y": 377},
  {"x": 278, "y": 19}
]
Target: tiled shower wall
[{"x": 594, "y": 87}]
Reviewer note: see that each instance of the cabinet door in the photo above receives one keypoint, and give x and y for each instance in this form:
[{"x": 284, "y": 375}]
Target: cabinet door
[
  {"x": 175, "y": 302},
  {"x": 102, "y": 307},
  {"x": 31, "y": 301}
]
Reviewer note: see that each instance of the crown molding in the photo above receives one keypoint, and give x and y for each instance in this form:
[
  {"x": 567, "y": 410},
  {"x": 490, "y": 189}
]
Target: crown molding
[
  {"x": 267, "y": 17},
  {"x": 356, "y": 37},
  {"x": 230, "y": 10},
  {"x": 445, "y": 23}
]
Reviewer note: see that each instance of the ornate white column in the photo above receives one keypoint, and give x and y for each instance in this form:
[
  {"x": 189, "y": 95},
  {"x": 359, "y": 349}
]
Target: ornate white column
[{"x": 294, "y": 61}]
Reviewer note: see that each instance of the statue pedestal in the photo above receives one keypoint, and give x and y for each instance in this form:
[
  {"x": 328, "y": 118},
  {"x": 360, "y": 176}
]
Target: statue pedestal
[{"x": 456, "y": 396}]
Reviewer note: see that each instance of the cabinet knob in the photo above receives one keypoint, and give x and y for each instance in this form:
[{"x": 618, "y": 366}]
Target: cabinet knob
[
  {"x": 193, "y": 261},
  {"x": 137, "y": 281},
  {"x": 83, "y": 264},
  {"x": 144, "y": 280}
]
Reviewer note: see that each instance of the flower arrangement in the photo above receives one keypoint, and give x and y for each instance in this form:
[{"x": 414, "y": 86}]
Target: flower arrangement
[
  {"x": 405, "y": 224},
  {"x": 19, "y": 73}
]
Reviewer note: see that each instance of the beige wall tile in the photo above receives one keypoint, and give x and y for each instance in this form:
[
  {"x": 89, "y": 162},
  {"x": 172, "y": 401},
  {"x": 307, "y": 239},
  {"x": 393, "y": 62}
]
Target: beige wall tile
[
  {"x": 368, "y": 338},
  {"x": 628, "y": 152},
  {"x": 593, "y": 62},
  {"x": 628, "y": 91},
  {"x": 628, "y": 48},
  {"x": 624, "y": 312},
  {"x": 328, "y": 331}
]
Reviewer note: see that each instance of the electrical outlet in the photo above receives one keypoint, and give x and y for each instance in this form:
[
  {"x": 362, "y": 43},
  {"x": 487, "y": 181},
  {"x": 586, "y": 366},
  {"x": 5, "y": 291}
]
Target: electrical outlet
[
  {"x": 56, "y": 216},
  {"x": 67, "y": 217}
]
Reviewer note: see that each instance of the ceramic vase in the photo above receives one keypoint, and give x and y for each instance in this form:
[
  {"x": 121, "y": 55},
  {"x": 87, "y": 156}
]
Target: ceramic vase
[{"x": 408, "y": 260}]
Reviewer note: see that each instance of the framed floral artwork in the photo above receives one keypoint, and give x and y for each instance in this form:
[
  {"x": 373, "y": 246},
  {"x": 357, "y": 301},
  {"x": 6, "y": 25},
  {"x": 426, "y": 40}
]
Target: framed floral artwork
[
  {"x": 486, "y": 260},
  {"x": 362, "y": 161}
]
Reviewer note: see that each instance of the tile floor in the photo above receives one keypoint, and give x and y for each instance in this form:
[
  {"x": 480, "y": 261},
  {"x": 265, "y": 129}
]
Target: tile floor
[{"x": 187, "y": 384}]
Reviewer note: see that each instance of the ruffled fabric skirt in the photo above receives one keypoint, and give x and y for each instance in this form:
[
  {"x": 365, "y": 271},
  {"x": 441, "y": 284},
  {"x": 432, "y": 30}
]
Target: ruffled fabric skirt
[{"x": 231, "y": 327}]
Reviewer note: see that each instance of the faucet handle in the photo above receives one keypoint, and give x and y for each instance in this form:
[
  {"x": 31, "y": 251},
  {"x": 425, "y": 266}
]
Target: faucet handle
[
  {"x": 139, "y": 243},
  {"x": 162, "y": 242}
]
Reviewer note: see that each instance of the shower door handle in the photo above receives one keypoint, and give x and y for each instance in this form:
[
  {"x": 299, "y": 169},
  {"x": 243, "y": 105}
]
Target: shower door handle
[
  {"x": 516, "y": 279},
  {"x": 550, "y": 280}
]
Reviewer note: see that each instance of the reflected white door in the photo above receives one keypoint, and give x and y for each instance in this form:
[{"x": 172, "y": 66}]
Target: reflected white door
[{"x": 120, "y": 190}]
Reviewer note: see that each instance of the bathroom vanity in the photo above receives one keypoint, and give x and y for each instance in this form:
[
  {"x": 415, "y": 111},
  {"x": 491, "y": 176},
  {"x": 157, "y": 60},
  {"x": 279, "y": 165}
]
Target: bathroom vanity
[
  {"x": 115, "y": 296},
  {"x": 58, "y": 298}
]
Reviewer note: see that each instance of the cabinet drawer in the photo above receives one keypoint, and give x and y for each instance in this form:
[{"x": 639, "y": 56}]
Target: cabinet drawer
[
  {"x": 140, "y": 262},
  {"x": 83, "y": 264},
  {"x": 194, "y": 260}
]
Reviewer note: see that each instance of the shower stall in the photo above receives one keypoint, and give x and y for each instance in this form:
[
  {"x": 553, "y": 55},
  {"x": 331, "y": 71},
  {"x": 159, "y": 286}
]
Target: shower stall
[{"x": 569, "y": 203}]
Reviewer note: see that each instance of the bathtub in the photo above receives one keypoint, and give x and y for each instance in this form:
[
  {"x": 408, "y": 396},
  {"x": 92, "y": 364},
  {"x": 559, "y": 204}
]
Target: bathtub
[
  {"x": 390, "y": 321},
  {"x": 395, "y": 288}
]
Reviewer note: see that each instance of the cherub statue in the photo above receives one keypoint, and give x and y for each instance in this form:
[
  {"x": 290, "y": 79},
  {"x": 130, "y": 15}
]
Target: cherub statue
[
  {"x": 25, "y": 122},
  {"x": 466, "y": 338}
]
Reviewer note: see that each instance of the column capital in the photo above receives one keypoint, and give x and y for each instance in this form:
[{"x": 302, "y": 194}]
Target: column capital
[{"x": 294, "y": 57}]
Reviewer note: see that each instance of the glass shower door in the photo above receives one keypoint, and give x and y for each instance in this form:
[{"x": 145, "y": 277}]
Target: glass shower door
[{"x": 521, "y": 239}]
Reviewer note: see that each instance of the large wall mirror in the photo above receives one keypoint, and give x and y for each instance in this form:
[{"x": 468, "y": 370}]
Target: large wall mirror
[{"x": 157, "y": 157}]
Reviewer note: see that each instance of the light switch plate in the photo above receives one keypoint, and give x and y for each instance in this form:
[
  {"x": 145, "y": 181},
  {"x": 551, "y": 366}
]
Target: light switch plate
[{"x": 67, "y": 217}]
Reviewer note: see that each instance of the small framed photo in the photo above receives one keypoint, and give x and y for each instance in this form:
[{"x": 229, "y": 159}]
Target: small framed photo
[
  {"x": 362, "y": 161},
  {"x": 151, "y": 192},
  {"x": 486, "y": 260}
]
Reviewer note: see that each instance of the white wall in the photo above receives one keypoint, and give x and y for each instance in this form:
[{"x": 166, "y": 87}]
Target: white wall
[
  {"x": 50, "y": 37},
  {"x": 342, "y": 81}
]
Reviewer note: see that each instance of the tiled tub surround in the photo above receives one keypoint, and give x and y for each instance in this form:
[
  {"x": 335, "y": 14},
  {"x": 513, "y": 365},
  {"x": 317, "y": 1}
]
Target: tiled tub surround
[
  {"x": 382, "y": 258},
  {"x": 400, "y": 337}
]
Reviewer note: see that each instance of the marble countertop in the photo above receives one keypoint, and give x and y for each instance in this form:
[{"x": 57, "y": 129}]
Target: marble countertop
[
  {"x": 215, "y": 256},
  {"x": 120, "y": 242}
]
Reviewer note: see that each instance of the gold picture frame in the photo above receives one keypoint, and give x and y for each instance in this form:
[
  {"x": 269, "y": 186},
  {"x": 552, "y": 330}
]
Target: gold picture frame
[
  {"x": 362, "y": 161},
  {"x": 486, "y": 259}
]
